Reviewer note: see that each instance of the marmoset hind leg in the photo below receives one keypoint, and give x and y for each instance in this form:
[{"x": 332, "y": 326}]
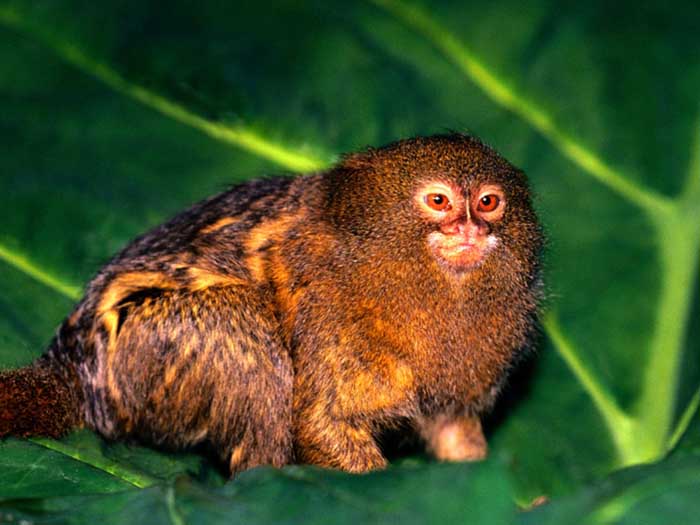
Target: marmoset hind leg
[
  {"x": 324, "y": 440},
  {"x": 454, "y": 438},
  {"x": 181, "y": 368}
]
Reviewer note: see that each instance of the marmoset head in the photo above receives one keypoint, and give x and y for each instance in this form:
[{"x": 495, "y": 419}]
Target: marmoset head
[{"x": 449, "y": 196}]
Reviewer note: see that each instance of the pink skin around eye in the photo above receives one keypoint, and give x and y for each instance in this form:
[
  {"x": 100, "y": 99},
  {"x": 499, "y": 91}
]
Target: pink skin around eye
[{"x": 456, "y": 201}]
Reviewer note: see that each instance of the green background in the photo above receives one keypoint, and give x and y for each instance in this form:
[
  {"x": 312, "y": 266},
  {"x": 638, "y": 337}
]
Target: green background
[{"x": 115, "y": 115}]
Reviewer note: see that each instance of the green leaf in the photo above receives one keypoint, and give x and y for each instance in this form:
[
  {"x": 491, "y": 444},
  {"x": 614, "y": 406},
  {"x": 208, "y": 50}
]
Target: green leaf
[
  {"x": 662, "y": 493},
  {"x": 297, "y": 495},
  {"x": 84, "y": 463},
  {"x": 30, "y": 469},
  {"x": 116, "y": 115}
]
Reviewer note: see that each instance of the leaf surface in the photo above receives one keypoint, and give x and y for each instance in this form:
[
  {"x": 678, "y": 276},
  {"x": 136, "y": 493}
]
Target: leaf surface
[
  {"x": 117, "y": 115},
  {"x": 295, "y": 495}
]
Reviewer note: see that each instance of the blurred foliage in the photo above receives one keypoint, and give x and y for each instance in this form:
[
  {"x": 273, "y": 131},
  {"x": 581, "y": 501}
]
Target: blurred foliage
[{"x": 118, "y": 114}]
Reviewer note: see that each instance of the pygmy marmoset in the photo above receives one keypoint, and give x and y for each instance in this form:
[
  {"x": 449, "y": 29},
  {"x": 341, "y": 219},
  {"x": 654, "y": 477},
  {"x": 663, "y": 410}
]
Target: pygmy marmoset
[{"x": 296, "y": 319}]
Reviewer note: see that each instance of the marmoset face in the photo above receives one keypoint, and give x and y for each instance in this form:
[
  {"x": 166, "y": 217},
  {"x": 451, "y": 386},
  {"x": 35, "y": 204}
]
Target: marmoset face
[
  {"x": 447, "y": 198},
  {"x": 463, "y": 219}
]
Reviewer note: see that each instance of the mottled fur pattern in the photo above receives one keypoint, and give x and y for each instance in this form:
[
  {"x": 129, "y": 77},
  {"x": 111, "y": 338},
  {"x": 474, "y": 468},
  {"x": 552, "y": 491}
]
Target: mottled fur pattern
[{"x": 294, "y": 320}]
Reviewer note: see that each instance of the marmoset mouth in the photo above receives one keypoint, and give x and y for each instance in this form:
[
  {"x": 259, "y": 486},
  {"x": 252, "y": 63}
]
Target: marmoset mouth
[
  {"x": 463, "y": 255},
  {"x": 460, "y": 251}
]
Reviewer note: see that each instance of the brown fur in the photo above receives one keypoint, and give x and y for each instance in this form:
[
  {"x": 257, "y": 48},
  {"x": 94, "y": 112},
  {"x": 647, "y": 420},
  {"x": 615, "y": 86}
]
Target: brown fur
[
  {"x": 296, "y": 320},
  {"x": 38, "y": 400}
]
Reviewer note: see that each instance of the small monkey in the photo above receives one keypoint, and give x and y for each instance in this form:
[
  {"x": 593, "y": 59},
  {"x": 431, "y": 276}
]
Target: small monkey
[{"x": 296, "y": 320}]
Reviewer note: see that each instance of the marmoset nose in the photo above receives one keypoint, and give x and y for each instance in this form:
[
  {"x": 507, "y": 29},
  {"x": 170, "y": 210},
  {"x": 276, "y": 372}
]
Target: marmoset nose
[{"x": 466, "y": 228}]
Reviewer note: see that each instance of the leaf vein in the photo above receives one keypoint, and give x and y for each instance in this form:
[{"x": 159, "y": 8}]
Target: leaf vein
[
  {"x": 173, "y": 513},
  {"x": 506, "y": 96},
  {"x": 239, "y": 135},
  {"x": 23, "y": 264},
  {"x": 127, "y": 474},
  {"x": 684, "y": 421},
  {"x": 692, "y": 187},
  {"x": 617, "y": 422}
]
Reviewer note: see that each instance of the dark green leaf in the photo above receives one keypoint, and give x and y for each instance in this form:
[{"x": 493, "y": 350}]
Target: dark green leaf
[
  {"x": 116, "y": 115},
  {"x": 429, "y": 494},
  {"x": 650, "y": 495}
]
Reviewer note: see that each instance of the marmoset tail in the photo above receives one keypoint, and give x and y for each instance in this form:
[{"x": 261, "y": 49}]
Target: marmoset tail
[{"x": 299, "y": 319}]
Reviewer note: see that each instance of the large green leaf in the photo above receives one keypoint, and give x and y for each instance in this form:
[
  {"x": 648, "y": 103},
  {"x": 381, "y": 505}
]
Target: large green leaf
[
  {"x": 116, "y": 115},
  {"x": 644, "y": 495},
  {"x": 295, "y": 495}
]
